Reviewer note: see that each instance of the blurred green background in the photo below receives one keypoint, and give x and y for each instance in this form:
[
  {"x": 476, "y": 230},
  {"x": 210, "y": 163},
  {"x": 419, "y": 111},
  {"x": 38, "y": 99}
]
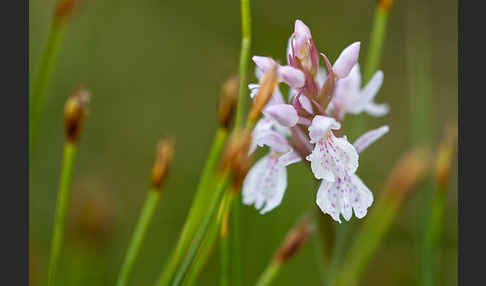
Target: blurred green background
[{"x": 155, "y": 68}]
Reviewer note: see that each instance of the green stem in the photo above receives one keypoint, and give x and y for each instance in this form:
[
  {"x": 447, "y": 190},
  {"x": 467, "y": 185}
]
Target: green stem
[
  {"x": 63, "y": 198},
  {"x": 198, "y": 208},
  {"x": 377, "y": 39},
  {"x": 204, "y": 251},
  {"x": 40, "y": 84},
  {"x": 224, "y": 259},
  {"x": 338, "y": 251},
  {"x": 138, "y": 235},
  {"x": 236, "y": 242},
  {"x": 210, "y": 217},
  {"x": 244, "y": 59},
  {"x": 269, "y": 274}
]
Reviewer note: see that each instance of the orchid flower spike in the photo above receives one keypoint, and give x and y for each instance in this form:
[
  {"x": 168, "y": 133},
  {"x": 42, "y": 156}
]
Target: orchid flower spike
[
  {"x": 348, "y": 193},
  {"x": 265, "y": 183},
  {"x": 350, "y": 98}
]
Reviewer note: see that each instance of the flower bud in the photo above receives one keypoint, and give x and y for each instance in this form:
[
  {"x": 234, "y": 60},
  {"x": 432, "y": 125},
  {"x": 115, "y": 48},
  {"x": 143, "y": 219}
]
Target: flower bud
[
  {"x": 75, "y": 111},
  {"x": 65, "y": 8},
  {"x": 385, "y": 5},
  {"x": 284, "y": 114},
  {"x": 163, "y": 159},
  {"x": 267, "y": 85},
  {"x": 227, "y": 101},
  {"x": 294, "y": 241},
  {"x": 346, "y": 60},
  {"x": 301, "y": 50}
]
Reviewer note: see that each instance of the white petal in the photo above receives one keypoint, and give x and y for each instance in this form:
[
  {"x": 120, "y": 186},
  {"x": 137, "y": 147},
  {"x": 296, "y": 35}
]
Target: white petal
[
  {"x": 343, "y": 196},
  {"x": 274, "y": 140},
  {"x": 264, "y": 63},
  {"x": 320, "y": 126},
  {"x": 369, "y": 138},
  {"x": 262, "y": 126},
  {"x": 377, "y": 110},
  {"x": 321, "y": 77},
  {"x": 361, "y": 198},
  {"x": 372, "y": 87},
  {"x": 289, "y": 158},
  {"x": 328, "y": 201},
  {"x": 265, "y": 184},
  {"x": 291, "y": 76}
]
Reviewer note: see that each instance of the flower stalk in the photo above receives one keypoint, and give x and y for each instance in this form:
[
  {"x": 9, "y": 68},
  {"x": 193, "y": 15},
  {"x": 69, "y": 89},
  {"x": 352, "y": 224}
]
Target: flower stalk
[
  {"x": 165, "y": 152},
  {"x": 74, "y": 114},
  {"x": 295, "y": 240},
  {"x": 38, "y": 88}
]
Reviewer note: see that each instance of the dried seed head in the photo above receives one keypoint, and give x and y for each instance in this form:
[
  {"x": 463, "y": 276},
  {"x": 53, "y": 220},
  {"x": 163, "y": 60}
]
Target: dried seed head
[
  {"x": 227, "y": 101},
  {"x": 295, "y": 239},
  {"x": 236, "y": 151},
  {"x": 267, "y": 85},
  {"x": 75, "y": 111},
  {"x": 65, "y": 8},
  {"x": 411, "y": 168},
  {"x": 163, "y": 159},
  {"x": 445, "y": 154},
  {"x": 385, "y": 5}
]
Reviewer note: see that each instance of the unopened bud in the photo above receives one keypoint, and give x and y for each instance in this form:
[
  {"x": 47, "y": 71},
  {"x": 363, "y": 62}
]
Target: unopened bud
[
  {"x": 75, "y": 111},
  {"x": 444, "y": 155},
  {"x": 265, "y": 91},
  {"x": 65, "y": 8},
  {"x": 411, "y": 168},
  {"x": 227, "y": 101},
  {"x": 163, "y": 159},
  {"x": 294, "y": 241},
  {"x": 385, "y": 5}
]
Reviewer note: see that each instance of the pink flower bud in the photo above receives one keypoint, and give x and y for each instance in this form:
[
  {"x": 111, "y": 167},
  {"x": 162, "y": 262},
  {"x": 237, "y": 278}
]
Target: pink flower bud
[
  {"x": 284, "y": 114},
  {"x": 292, "y": 76},
  {"x": 264, "y": 63},
  {"x": 346, "y": 60}
]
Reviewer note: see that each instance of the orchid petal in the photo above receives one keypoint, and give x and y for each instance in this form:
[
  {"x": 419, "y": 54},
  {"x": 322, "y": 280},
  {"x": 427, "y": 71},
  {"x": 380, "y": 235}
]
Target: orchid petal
[
  {"x": 320, "y": 126},
  {"x": 369, "y": 138},
  {"x": 347, "y": 59},
  {"x": 284, "y": 114}
]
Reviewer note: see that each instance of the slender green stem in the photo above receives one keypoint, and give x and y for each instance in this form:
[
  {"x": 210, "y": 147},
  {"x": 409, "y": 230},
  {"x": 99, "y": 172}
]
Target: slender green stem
[
  {"x": 235, "y": 232},
  {"x": 244, "y": 59},
  {"x": 269, "y": 274},
  {"x": 377, "y": 39},
  {"x": 198, "y": 208},
  {"x": 225, "y": 267},
  {"x": 375, "y": 49},
  {"x": 338, "y": 251},
  {"x": 210, "y": 217},
  {"x": 138, "y": 236},
  {"x": 204, "y": 251},
  {"x": 432, "y": 234},
  {"x": 38, "y": 89},
  {"x": 63, "y": 198}
]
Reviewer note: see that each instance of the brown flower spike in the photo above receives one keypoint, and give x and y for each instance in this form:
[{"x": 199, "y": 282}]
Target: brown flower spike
[
  {"x": 163, "y": 159},
  {"x": 75, "y": 111}
]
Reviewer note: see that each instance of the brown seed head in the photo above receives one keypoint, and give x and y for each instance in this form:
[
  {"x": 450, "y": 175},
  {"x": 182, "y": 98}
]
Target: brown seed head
[
  {"x": 265, "y": 91},
  {"x": 409, "y": 170},
  {"x": 163, "y": 159},
  {"x": 385, "y": 5},
  {"x": 295, "y": 239},
  {"x": 65, "y": 8},
  {"x": 75, "y": 111},
  {"x": 236, "y": 151},
  {"x": 445, "y": 154},
  {"x": 227, "y": 101}
]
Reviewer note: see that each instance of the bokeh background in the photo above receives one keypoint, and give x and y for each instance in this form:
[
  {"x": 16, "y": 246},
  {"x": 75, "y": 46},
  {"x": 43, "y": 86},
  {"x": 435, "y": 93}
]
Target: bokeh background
[{"x": 155, "y": 68}]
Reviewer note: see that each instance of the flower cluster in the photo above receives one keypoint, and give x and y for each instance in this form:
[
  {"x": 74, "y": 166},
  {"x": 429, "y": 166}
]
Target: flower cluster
[{"x": 307, "y": 126}]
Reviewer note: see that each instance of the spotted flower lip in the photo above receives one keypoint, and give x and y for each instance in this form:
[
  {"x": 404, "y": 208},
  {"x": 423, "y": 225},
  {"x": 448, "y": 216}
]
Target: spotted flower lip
[
  {"x": 343, "y": 196},
  {"x": 332, "y": 157}
]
